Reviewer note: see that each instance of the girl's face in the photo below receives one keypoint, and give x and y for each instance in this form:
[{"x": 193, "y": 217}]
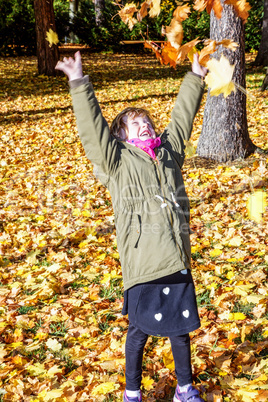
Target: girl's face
[{"x": 139, "y": 127}]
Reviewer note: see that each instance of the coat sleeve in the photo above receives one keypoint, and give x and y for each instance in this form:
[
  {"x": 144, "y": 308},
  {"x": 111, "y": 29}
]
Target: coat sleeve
[
  {"x": 100, "y": 147},
  {"x": 182, "y": 116}
]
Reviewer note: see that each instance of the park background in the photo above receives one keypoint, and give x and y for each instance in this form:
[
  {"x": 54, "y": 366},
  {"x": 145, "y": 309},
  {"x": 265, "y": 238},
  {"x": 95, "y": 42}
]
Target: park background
[{"x": 61, "y": 332}]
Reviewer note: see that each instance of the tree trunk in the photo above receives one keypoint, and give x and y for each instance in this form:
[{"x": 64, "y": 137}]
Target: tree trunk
[
  {"x": 224, "y": 133},
  {"x": 262, "y": 56},
  {"x": 73, "y": 8},
  {"x": 47, "y": 55},
  {"x": 99, "y": 8}
]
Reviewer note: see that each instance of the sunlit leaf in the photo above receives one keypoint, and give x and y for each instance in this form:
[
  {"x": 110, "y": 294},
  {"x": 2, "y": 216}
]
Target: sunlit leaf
[
  {"x": 219, "y": 78},
  {"x": 256, "y": 205},
  {"x": 52, "y": 37},
  {"x": 105, "y": 388},
  {"x": 241, "y": 7}
]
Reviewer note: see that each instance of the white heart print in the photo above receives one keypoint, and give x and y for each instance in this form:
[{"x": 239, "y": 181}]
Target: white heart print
[
  {"x": 166, "y": 291},
  {"x": 186, "y": 313},
  {"x": 184, "y": 272},
  {"x": 158, "y": 316}
]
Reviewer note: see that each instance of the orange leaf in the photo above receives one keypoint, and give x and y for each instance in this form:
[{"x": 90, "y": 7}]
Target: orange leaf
[
  {"x": 185, "y": 49},
  {"x": 126, "y": 15},
  {"x": 216, "y": 6},
  {"x": 206, "y": 52},
  {"x": 169, "y": 54},
  {"x": 181, "y": 13},
  {"x": 241, "y": 7},
  {"x": 143, "y": 10},
  {"x": 228, "y": 43},
  {"x": 154, "y": 48},
  {"x": 174, "y": 33},
  {"x": 200, "y": 5}
]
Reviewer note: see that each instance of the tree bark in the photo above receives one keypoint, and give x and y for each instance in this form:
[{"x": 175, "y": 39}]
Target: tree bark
[
  {"x": 73, "y": 8},
  {"x": 99, "y": 8},
  {"x": 224, "y": 133},
  {"x": 262, "y": 56},
  {"x": 47, "y": 55}
]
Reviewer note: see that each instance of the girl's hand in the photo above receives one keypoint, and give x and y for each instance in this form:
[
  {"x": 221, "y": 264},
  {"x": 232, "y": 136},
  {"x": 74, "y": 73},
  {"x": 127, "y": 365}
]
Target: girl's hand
[
  {"x": 197, "y": 68},
  {"x": 71, "y": 67}
]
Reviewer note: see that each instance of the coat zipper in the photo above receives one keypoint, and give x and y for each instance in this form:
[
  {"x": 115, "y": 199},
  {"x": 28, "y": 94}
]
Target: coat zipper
[{"x": 170, "y": 213}]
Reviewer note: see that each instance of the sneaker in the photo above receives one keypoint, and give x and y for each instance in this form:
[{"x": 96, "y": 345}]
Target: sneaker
[
  {"x": 132, "y": 399},
  {"x": 192, "y": 395}
]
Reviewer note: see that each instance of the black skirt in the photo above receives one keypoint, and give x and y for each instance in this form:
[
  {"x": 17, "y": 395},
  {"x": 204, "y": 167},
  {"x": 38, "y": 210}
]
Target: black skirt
[{"x": 164, "y": 307}]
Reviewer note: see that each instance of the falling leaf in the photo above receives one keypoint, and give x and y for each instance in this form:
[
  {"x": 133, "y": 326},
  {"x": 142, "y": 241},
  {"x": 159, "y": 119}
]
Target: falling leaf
[
  {"x": 52, "y": 37},
  {"x": 206, "y": 52},
  {"x": 127, "y": 14},
  {"x": 155, "y": 8},
  {"x": 256, "y": 205},
  {"x": 143, "y": 11},
  {"x": 200, "y": 5},
  {"x": 219, "y": 78},
  {"x": 216, "y": 5},
  {"x": 168, "y": 54},
  {"x": 181, "y": 13},
  {"x": 241, "y": 7},
  {"x": 174, "y": 33},
  {"x": 191, "y": 53},
  {"x": 185, "y": 49},
  {"x": 190, "y": 150},
  {"x": 229, "y": 44}
]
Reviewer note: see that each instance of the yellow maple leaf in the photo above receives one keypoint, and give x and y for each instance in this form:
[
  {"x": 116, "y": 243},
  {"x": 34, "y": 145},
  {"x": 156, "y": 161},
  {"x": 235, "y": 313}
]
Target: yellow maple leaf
[
  {"x": 37, "y": 369},
  {"x": 191, "y": 53},
  {"x": 215, "y": 253},
  {"x": 256, "y": 205},
  {"x": 185, "y": 49},
  {"x": 79, "y": 380},
  {"x": 52, "y": 37},
  {"x": 219, "y": 78},
  {"x": 53, "y": 395},
  {"x": 105, "y": 388},
  {"x": 168, "y": 360},
  {"x": 147, "y": 383},
  {"x": 237, "y": 316}
]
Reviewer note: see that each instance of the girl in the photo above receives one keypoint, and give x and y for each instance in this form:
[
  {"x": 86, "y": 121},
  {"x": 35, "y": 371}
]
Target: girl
[{"x": 143, "y": 174}]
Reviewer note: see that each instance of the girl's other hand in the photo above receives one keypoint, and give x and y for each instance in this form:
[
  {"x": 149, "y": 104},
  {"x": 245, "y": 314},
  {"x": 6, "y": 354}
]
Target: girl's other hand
[
  {"x": 71, "y": 67},
  {"x": 197, "y": 68}
]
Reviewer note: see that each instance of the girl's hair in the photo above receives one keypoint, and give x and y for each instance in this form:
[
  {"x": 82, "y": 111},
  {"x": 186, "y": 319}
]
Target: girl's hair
[{"x": 118, "y": 123}]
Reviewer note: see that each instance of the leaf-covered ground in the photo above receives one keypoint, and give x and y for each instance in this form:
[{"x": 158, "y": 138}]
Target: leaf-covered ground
[{"x": 61, "y": 332}]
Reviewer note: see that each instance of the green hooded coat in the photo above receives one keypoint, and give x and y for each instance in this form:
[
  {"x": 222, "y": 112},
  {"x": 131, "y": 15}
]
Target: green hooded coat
[{"x": 150, "y": 204}]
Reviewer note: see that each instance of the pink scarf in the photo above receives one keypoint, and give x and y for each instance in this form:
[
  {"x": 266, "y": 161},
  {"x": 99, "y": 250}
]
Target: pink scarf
[{"x": 147, "y": 145}]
